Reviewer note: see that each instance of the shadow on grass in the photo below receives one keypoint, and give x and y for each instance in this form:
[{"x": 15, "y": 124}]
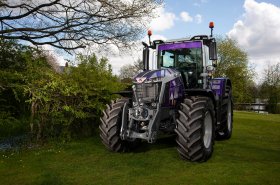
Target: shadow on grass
[
  {"x": 161, "y": 143},
  {"x": 50, "y": 178}
]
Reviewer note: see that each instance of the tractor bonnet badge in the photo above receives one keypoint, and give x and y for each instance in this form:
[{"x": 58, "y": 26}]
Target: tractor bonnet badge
[{"x": 140, "y": 79}]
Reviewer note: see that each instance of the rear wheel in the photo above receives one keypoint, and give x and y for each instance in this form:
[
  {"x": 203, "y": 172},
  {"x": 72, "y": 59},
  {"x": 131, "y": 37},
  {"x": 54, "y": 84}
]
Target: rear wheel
[
  {"x": 195, "y": 129},
  {"x": 110, "y": 127},
  {"x": 227, "y": 118}
]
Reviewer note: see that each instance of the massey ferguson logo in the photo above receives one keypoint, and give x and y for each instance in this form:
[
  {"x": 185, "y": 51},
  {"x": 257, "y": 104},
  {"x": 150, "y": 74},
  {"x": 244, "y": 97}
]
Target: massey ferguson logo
[{"x": 140, "y": 79}]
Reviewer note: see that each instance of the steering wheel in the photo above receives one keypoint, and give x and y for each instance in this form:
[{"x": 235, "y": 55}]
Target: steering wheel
[{"x": 184, "y": 65}]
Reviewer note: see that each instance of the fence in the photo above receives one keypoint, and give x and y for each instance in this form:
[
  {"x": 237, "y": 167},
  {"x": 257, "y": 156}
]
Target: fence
[{"x": 257, "y": 107}]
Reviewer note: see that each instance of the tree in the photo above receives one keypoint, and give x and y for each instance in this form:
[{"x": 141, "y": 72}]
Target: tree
[
  {"x": 72, "y": 24},
  {"x": 233, "y": 63},
  {"x": 130, "y": 70},
  {"x": 270, "y": 87}
]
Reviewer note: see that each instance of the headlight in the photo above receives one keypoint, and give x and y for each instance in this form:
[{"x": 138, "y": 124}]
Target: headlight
[
  {"x": 141, "y": 113},
  {"x": 154, "y": 104}
]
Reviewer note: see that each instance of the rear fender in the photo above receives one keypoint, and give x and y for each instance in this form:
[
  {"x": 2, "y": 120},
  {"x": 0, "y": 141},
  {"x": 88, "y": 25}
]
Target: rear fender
[
  {"x": 218, "y": 86},
  {"x": 201, "y": 92}
]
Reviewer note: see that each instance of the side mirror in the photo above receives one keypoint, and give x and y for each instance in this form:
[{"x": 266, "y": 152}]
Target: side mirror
[
  {"x": 212, "y": 51},
  {"x": 145, "y": 44},
  {"x": 146, "y": 58}
]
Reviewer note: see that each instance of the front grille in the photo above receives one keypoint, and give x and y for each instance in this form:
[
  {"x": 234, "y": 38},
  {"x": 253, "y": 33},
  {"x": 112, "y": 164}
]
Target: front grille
[{"x": 148, "y": 92}]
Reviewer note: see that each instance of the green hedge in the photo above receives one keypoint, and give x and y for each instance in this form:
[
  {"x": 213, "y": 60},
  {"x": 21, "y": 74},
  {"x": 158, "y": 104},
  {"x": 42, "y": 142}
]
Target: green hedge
[{"x": 51, "y": 104}]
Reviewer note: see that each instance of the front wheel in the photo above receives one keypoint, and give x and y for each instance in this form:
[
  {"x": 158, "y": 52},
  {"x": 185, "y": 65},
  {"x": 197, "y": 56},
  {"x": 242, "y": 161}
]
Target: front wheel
[
  {"x": 110, "y": 128},
  {"x": 195, "y": 128}
]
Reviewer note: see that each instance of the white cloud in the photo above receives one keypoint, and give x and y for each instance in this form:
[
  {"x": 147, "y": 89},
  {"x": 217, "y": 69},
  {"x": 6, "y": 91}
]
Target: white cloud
[
  {"x": 258, "y": 32},
  {"x": 186, "y": 17},
  {"x": 120, "y": 59},
  {"x": 199, "y": 2},
  {"x": 164, "y": 20},
  {"x": 198, "y": 18}
]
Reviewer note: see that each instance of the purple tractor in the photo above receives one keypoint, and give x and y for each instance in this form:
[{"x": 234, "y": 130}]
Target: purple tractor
[{"x": 179, "y": 96}]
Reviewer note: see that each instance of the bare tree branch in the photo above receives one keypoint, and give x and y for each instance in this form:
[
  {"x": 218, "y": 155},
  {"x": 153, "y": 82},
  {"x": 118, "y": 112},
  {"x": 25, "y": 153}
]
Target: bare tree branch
[
  {"x": 71, "y": 24},
  {"x": 30, "y": 11}
]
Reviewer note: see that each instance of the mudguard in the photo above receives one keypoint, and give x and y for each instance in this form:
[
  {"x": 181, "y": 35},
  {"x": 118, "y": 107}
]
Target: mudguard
[{"x": 218, "y": 86}]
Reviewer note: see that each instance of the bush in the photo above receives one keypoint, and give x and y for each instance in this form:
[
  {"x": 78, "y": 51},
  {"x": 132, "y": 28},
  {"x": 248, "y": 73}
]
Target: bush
[
  {"x": 11, "y": 126},
  {"x": 60, "y": 105},
  {"x": 62, "y": 101}
]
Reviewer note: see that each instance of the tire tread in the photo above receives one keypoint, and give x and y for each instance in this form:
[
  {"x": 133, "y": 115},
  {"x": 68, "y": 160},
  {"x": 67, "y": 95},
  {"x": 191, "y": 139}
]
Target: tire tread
[{"x": 189, "y": 128}]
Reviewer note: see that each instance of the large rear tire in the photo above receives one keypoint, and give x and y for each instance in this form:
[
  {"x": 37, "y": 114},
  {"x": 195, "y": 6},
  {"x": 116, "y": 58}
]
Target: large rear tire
[
  {"x": 225, "y": 131},
  {"x": 110, "y": 127},
  {"x": 195, "y": 128}
]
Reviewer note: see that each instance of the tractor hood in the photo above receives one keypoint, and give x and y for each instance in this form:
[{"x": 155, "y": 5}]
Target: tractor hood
[{"x": 157, "y": 75}]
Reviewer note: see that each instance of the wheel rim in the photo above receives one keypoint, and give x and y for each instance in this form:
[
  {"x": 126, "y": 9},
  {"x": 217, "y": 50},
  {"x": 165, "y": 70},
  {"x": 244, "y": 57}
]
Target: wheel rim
[
  {"x": 229, "y": 116},
  {"x": 207, "y": 129}
]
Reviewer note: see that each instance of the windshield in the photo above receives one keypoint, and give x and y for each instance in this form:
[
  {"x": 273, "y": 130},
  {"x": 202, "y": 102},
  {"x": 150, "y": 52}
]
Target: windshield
[
  {"x": 180, "y": 55},
  {"x": 185, "y": 57}
]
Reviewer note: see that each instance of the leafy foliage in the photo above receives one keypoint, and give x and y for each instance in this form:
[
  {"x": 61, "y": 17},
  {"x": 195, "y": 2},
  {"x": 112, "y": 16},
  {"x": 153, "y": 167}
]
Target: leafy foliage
[
  {"x": 233, "y": 63},
  {"x": 270, "y": 87},
  {"x": 55, "y": 104},
  {"x": 80, "y": 93},
  {"x": 20, "y": 65}
]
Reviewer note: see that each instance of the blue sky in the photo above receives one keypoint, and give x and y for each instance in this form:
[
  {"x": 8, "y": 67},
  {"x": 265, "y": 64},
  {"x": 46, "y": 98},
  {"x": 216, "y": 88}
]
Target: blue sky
[
  {"x": 254, "y": 24},
  {"x": 223, "y": 12}
]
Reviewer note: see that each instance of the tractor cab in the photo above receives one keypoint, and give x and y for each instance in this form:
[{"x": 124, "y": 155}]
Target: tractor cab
[
  {"x": 194, "y": 58},
  {"x": 186, "y": 57}
]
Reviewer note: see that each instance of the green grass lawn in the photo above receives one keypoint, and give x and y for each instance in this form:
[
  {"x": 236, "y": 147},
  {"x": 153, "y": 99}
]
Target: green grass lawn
[{"x": 251, "y": 156}]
